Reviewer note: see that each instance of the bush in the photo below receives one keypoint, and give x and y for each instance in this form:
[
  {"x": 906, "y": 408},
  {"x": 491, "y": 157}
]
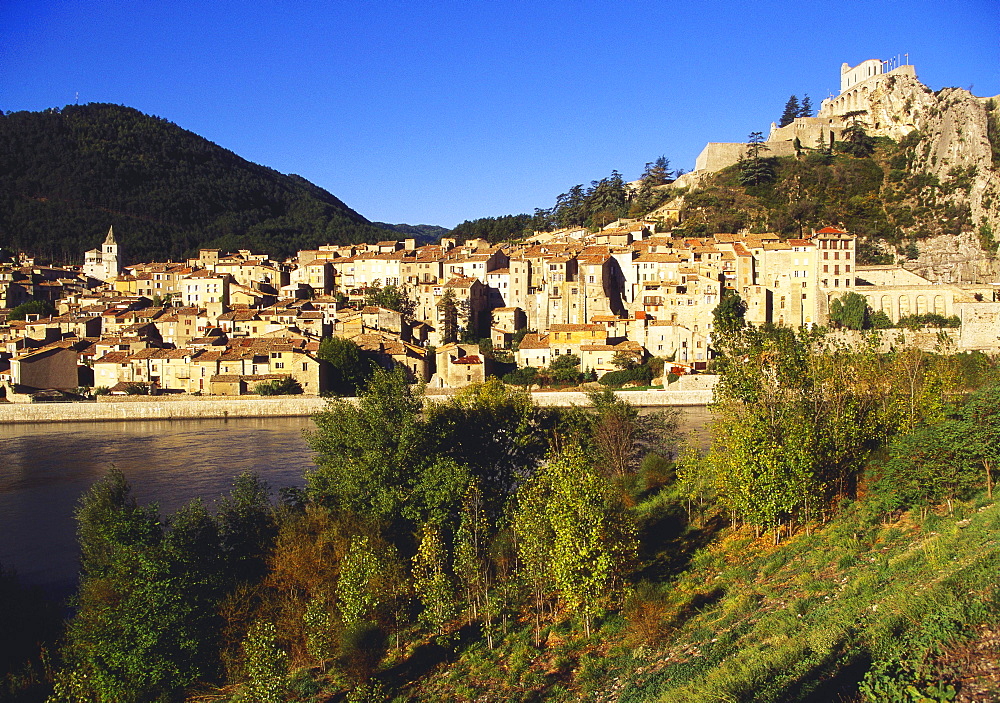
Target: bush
[
  {"x": 362, "y": 647},
  {"x": 278, "y": 386},
  {"x": 640, "y": 374},
  {"x": 521, "y": 377},
  {"x": 928, "y": 319},
  {"x": 43, "y": 308}
]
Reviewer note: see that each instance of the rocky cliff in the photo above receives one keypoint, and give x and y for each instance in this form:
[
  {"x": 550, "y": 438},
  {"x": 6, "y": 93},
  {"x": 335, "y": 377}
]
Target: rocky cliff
[{"x": 950, "y": 132}]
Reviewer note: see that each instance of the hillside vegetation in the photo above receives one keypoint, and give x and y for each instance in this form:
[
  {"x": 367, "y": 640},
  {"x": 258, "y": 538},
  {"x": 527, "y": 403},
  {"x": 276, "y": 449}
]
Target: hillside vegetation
[
  {"x": 839, "y": 540},
  {"x": 880, "y": 197},
  {"x": 67, "y": 175}
]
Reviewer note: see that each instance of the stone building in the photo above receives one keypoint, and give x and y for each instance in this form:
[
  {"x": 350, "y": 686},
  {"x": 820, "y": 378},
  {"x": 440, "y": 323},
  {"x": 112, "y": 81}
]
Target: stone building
[{"x": 103, "y": 263}]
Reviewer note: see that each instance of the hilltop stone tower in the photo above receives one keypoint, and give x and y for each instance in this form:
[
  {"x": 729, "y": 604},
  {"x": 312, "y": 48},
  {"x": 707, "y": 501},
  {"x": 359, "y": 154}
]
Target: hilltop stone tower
[{"x": 104, "y": 263}]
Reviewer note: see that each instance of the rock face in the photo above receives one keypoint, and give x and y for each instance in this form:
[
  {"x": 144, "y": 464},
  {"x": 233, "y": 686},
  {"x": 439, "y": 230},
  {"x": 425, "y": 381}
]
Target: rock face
[
  {"x": 954, "y": 147},
  {"x": 954, "y": 212}
]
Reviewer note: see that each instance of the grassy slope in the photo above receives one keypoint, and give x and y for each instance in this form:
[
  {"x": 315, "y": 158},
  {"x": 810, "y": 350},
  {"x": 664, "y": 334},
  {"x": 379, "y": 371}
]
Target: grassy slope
[{"x": 913, "y": 601}]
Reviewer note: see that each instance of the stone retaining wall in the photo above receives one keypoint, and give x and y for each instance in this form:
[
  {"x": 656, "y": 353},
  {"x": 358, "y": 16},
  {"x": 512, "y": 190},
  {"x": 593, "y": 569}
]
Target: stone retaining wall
[
  {"x": 216, "y": 407},
  {"x": 162, "y": 408}
]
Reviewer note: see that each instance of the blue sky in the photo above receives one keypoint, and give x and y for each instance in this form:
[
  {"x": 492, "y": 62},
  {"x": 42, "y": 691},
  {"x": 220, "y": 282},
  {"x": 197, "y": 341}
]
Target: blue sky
[{"x": 436, "y": 112}]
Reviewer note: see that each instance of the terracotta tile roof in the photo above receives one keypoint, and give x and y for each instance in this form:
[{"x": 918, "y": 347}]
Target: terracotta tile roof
[{"x": 534, "y": 341}]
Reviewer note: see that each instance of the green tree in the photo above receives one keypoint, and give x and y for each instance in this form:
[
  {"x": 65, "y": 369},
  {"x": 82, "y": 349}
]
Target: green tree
[
  {"x": 657, "y": 173},
  {"x": 856, "y": 141},
  {"x": 620, "y": 436},
  {"x": 391, "y": 297},
  {"x": 472, "y": 561},
  {"x": 42, "y": 308},
  {"x": 364, "y": 581},
  {"x": 728, "y": 315},
  {"x": 147, "y": 600},
  {"x": 792, "y": 110},
  {"x": 754, "y": 166},
  {"x": 266, "y": 665},
  {"x": 286, "y": 385},
  {"x": 806, "y": 108},
  {"x": 369, "y": 451},
  {"x": 851, "y": 311},
  {"x": 247, "y": 529},
  {"x": 591, "y": 541},
  {"x": 534, "y": 538},
  {"x": 931, "y": 464},
  {"x": 449, "y": 317},
  {"x": 607, "y": 200},
  {"x": 565, "y": 368},
  {"x": 795, "y": 422},
  {"x": 350, "y": 369},
  {"x": 982, "y": 414},
  {"x": 318, "y": 628},
  {"x": 524, "y": 376},
  {"x": 432, "y": 580}
]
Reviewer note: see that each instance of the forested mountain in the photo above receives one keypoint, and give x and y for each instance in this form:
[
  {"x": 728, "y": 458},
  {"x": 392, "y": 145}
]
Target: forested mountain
[
  {"x": 67, "y": 174},
  {"x": 424, "y": 234}
]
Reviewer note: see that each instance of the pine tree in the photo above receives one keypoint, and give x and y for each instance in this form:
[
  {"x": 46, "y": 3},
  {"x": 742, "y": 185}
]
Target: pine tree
[
  {"x": 806, "y": 108},
  {"x": 792, "y": 110},
  {"x": 754, "y": 167},
  {"x": 657, "y": 172}
]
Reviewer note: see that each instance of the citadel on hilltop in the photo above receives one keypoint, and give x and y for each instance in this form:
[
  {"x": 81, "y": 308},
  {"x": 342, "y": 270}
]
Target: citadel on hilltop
[{"x": 858, "y": 86}]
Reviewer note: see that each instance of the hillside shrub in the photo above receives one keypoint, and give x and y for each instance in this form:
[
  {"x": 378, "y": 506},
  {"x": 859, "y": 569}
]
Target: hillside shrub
[
  {"x": 928, "y": 319},
  {"x": 616, "y": 379},
  {"x": 278, "y": 386}
]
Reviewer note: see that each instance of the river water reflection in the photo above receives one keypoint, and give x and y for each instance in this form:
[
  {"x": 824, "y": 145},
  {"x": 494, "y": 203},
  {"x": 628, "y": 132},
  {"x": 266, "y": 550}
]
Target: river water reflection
[{"x": 46, "y": 467}]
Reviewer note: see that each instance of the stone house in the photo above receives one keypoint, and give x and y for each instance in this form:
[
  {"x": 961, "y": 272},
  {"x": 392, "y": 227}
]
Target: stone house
[{"x": 49, "y": 367}]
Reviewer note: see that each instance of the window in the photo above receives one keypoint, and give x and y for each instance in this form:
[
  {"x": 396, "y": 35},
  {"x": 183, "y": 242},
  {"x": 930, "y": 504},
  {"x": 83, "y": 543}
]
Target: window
[{"x": 279, "y": 365}]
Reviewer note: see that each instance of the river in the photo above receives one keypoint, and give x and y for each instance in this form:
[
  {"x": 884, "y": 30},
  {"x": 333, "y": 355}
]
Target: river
[{"x": 47, "y": 467}]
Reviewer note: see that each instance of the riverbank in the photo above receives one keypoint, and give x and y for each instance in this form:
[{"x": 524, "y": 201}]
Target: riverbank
[{"x": 111, "y": 408}]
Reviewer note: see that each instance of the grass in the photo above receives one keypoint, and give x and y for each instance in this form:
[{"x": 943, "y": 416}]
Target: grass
[{"x": 859, "y": 610}]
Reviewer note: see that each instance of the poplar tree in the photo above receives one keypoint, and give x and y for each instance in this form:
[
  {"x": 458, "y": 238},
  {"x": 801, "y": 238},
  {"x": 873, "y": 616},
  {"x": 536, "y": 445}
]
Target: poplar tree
[{"x": 573, "y": 537}]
